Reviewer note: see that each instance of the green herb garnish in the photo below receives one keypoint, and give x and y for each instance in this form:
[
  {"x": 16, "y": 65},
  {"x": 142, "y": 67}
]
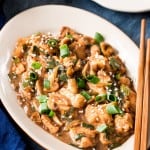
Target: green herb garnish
[
  {"x": 79, "y": 136},
  {"x": 113, "y": 109},
  {"x": 93, "y": 79},
  {"x": 64, "y": 50},
  {"x": 52, "y": 42},
  {"x": 114, "y": 63},
  {"x": 46, "y": 83},
  {"x": 81, "y": 83},
  {"x": 36, "y": 65},
  {"x": 42, "y": 98},
  {"x": 98, "y": 37},
  {"x": 51, "y": 113},
  {"x": 86, "y": 95},
  {"x": 33, "y": 76},
  {"x": 102, "y": 128},
  {"x": 86, "y": 125},
  {"x": 101, "y": 98},
  {"x": 43, "y": 108}
]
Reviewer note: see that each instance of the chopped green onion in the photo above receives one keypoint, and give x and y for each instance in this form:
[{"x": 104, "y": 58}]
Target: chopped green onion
[
  {"x": 64, "y": 50},
  {"x": 111, "y": 97},
  {"x": 36, "y": 65},
  {"x": 33, "y": 76},
  {"x": 114, "y": 63},
  {"x": 69, "y": 36},
  {"x": 79, "y": 136},
  {"x": 51, "y": 64},
  {"x": 93, "y": 79},
  {"x": 86, "y": 95},
  {"x": 51, "y": 113},
  {"x": 86, "y": 125},
  {"x": 36, "y": 50},
  {"x": 101, "y": 98},
  {"x": 42, "y": 98},
  {"x": 25, "y": 83},
  {"x": 125, "y": 90},
  {"x": 63, "y": 77},
  {"x": 98, "y": 37},
  {"x": 46, "y": 83},
  {"x": 52, "y": 42},
  {"x": 81, "y": 83},
  {"x": 113, "y": 109},
  {"x": 43, "y": 108},
  {"x": 117, "y": 76},
  {"x": 102, "y": 128}
]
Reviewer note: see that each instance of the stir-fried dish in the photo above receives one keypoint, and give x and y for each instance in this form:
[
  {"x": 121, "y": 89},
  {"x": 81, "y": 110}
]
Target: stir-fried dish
[{"x": 75, "y": 87}]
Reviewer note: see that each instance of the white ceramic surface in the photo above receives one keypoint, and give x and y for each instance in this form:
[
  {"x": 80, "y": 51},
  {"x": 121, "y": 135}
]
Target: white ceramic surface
[
  {"x": 126, "y": 5},
  {"x": 52, "y": 18}
]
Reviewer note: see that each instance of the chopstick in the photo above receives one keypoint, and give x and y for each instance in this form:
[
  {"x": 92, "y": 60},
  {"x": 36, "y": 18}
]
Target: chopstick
[
  {"x": 144, "y": 130},
  {"x": 139, "y": 99}
]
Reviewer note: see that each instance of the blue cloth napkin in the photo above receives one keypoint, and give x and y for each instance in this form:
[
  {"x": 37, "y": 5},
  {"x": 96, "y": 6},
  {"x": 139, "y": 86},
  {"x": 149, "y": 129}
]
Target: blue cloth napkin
[
  {"x": 11, "y": 136},
  {"x": 10, "y": 139}
]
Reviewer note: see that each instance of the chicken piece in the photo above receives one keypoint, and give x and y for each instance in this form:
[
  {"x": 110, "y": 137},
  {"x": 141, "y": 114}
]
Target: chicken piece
[
  {"x": 95, "y": 49},
  {"x": 26, "y": 92},
  {"x": 79, "y": 50},
  {"x": 69, "y": 61},
  {"x": 97, "y": 115},
  {"x": 86, "y": 142},
  {"x": 104, "y": 140},
  {"x": 48, "y": 124},
  {"x": 87, "y": 138},
  {"x": 35, "y": 104},
  {"x": 123, "y": 124},
  {"x": 132, "y": 99},
  {"x": 125, "y": 80},
  {"x": 129, "y": 103},
  {"x": 72, "y": 86},
  {"x": 58, "y": 101},
  {"x": 19, "y": 68},
  {"x": 35, "y": 116},
  {"x": 97, "y": 88},
  {"x": 68, "y": 31},
  {"x": 18, "y": 52},
  {"x": 57, "y": 120},
  {"x": 104, "y": 77},
  {"x": 85, "y": 40},
  {"x": 70, "y": 71},
  {"x": 78, "y": 65},
  {"x": 79, "y": 101},
  {"x": 97, "y": 62}
]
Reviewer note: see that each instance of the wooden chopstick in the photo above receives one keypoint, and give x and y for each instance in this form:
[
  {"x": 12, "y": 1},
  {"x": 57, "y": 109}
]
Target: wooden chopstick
[
  {"x": 140, "y": 85},
  {"x": 144, "y": 130}
]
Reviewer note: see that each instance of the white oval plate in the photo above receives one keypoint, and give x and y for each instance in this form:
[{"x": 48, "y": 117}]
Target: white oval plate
[
  {"x": 126, "y": 5},
  {"x": 52, "y": 18}
]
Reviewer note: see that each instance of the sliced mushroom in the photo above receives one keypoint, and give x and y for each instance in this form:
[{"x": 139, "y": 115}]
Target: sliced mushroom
[
  {"x": 72, "y": 85},
  {"x": 106, "y": 49},
  {"x": 48, "y": 124},
  {"x": 85, "y": 69}
]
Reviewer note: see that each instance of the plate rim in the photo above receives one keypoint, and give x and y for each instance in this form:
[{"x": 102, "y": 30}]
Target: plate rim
[
  {"x": 118, "y": 5},
  {"x": 53, "y": 5}
]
